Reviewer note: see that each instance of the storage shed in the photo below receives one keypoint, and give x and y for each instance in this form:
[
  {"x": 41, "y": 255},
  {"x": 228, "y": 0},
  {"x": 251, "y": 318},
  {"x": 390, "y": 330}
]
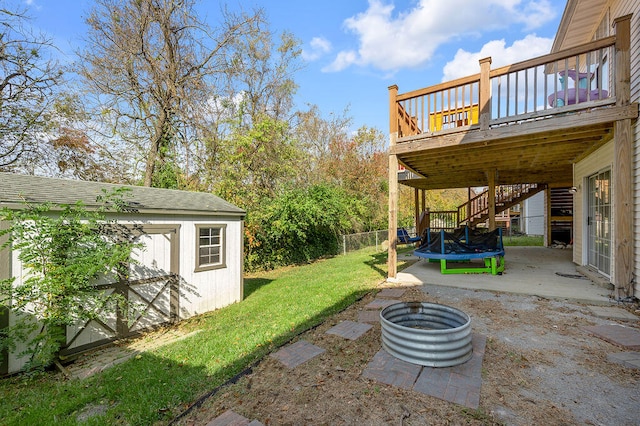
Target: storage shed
[{"x": 192, "y": 261}]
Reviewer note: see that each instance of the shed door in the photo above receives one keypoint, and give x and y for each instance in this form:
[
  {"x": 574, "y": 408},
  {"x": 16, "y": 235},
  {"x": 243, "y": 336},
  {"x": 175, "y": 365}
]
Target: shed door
[
  {"x": 599, "y": 222},
  {"x": 151, "y": 292}
]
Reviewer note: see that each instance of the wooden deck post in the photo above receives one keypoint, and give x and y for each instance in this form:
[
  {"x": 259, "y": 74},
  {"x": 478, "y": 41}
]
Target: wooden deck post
[
  {"x": 469, "y": 206},
  {"x": 622, "y": 276},
  {"x": 392, "y": 260},
  {"x": 416, "y": 210},
  {"x": 547, "y": 217},
  {"x": 485, "y": 94},
  {"x": 491, "y": 177}
]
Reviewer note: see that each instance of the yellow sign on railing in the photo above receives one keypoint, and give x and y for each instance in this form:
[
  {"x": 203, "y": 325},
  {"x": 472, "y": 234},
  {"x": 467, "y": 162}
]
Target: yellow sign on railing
[{"x": 452, "y": 118}]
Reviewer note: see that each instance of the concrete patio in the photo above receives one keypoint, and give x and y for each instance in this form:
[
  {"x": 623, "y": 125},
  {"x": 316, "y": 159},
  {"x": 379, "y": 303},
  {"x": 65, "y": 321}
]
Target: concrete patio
[{"x": 538, "y": 271}]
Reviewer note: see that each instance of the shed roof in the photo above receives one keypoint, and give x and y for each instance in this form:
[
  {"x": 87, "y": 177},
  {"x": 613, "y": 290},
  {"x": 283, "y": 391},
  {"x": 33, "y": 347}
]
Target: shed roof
[{"x": 16, "y": 188}]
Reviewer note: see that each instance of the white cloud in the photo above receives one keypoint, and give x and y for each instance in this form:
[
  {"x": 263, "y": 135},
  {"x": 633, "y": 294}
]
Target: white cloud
[
  {"x": 407, "y": 39},
  {"x": 318, "y": 46},
  {"x": 532, "y": 14},
  {"x": 342, "y": 61},
  {"x": 466, "y": 63}
]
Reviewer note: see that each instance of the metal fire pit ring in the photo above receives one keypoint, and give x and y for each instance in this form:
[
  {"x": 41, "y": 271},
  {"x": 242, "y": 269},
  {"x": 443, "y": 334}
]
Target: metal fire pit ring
[{"x": 427, "y": 334}]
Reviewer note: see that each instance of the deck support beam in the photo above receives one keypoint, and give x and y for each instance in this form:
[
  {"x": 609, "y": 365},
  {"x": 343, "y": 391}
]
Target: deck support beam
[
  {"x": 392, "y": 260},
  {"x": 622, "y": 277}
]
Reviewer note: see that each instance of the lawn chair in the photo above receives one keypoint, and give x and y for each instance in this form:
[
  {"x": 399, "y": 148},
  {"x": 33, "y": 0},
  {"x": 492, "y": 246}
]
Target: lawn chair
[{"x": 405, "y": 238}]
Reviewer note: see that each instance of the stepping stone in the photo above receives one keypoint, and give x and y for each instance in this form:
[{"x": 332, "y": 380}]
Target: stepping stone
[
  {"x": 349, "y": 329},
  {"x": 297, "y": 353},
  {"x": 612, "y": 313},
  {"x": 231, "y": 418},
  {"x": 391, "y": 292},
  {"x": 459, "y": 384},
  {"x": 626, "y": 337},
  {"x": 628, "y": 359},
  {"x": 386, "y": 368},
  {"x": 369, "y": 316},
  {"x": 380, "y": 303}
]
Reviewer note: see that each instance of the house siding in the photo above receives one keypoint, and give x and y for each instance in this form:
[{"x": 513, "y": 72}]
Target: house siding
[{"x": 603, "y": 158}]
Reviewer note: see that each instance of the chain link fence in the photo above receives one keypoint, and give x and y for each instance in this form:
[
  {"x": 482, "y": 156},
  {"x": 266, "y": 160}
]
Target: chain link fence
[{"x": 352, "y": 242}]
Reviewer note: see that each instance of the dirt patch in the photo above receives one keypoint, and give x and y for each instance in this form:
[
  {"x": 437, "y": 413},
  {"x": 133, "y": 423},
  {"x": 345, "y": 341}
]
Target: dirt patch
[{"x": 540, "y": 367}]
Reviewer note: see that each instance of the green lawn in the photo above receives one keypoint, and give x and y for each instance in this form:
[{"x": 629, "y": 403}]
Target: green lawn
[
  {"x": 522, "y": 240},
  {"x": 158, "y": 385}
]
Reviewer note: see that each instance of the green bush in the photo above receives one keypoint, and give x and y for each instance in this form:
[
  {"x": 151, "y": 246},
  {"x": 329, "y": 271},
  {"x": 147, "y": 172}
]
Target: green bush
[{"x": 299, "y": 226}]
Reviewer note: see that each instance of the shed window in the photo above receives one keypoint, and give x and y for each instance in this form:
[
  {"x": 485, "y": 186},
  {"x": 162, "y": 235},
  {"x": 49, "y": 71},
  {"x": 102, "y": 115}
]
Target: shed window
[{"x": 210, "y": 247}]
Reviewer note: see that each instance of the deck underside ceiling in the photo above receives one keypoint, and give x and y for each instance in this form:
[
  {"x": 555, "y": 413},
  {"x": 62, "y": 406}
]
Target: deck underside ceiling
[{"x": 538, "y": 151}]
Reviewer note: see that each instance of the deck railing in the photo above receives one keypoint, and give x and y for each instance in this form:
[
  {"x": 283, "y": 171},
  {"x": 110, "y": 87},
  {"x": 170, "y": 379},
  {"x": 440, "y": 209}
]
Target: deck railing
[
  {"x": 576, "y": 78},
  {"x": 563, "y": 79},
  {"x": 441, "y": 107}
]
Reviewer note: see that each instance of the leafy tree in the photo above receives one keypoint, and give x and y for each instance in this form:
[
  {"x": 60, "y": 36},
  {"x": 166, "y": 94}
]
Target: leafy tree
[
  {"x": 64, "y": 250},
  {"x": 28, "y": 79},
  {"x": 151, "y": 64},
  {"x": 249, "y": 151},
  {"x": 257, "y": 163},
  {"x": 435, "y": 200},
  {"x": 68, "y": 150},
  {"x": 316, "y": 135},
  {"x": 357, "y": 162},
  {"x": 300, "y": 225},
  {"x": 446, "y": 199}
]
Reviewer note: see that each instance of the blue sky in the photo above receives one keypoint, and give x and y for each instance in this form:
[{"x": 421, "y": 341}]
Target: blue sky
[{"x": 355, "y": 49}]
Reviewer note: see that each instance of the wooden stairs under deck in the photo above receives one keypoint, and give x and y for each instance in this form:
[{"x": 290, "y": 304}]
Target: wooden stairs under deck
[
  {"x": 476, "y": 210},
  {"x": 507, "y": 196}
]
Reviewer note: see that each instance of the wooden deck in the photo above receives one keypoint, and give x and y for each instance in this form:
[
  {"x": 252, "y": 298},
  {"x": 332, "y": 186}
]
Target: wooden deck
[
  {"x": 520, "y": 135},
  {"x": 528, "y": 122}
]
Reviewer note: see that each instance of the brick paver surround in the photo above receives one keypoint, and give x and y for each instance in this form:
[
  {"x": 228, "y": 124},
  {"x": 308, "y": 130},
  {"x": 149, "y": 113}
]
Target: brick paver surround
[
  {"x": 386, "y": 368},
  {"x": 459, "y": 384}
]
